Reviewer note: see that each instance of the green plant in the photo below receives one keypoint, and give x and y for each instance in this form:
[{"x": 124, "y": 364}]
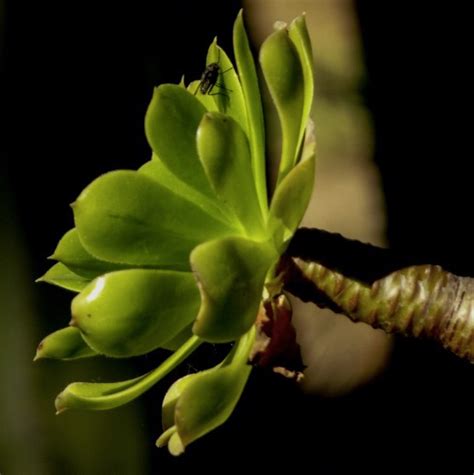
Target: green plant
[
  {"x": 185, "y": 249},
  {"x": 188, "y": 249}
]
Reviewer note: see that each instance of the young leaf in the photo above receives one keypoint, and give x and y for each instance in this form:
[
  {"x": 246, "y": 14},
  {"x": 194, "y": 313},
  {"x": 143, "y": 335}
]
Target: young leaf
[
  {"x": 64, "y": 344},
  {"x": 207, "y": 100},
  {"x": 178, "y": 340},
  {"x": 253, "y": 102},
  {"x": 103, "y": 396},
  {"x": 227, "y": 92},
  {"x": 225, "y": 155},
  {"x": 72, "y": 254},
  {"x": 300, "y": 37},
  {"x": 158, "y": 171},
  {"x": 203, "y": 401},
  {"x": 171, "y": 122},
  {"x": 291, "y": 198},
  {"x": 230, "y": 273},
  {"x": 284, "y": 76},
  {"x": 63, "y": 277},
  {"x": 127, "y": 217},
  {"x": 132, "y": 312}
]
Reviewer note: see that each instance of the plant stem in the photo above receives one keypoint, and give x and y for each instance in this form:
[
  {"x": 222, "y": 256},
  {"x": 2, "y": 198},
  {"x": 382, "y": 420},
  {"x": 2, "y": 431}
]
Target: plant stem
[{"x": 374, "y": 286}]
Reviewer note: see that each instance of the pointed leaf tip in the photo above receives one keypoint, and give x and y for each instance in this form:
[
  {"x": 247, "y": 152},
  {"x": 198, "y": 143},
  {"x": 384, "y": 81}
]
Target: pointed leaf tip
[{"x": 64, "y": 344}]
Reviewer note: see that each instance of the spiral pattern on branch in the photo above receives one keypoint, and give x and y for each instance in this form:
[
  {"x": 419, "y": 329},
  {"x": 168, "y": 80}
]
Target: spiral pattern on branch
[{"x": 420, "y": 301}]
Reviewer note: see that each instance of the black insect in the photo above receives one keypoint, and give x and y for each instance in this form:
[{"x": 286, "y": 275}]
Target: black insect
[{"x": 209, "y": 79}]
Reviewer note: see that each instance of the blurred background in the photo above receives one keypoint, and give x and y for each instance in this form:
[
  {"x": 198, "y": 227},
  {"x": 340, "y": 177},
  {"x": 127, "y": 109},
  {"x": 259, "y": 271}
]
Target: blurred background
[{"x": 392, "y": 107}]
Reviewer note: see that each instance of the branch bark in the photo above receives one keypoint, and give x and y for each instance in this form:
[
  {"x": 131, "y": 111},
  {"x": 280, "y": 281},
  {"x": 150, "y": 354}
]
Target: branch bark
[{"x": 380, "y": 288}]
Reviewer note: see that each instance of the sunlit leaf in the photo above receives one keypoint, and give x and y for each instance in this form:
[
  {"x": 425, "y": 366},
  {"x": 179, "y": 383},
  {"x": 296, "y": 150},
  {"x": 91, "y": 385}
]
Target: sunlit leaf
[
  {"x": 225, "y": 155},
  {"x": 171, "y": 122},
  {"x": 284, "y": 76},
  {"x": 253, "y": 102},
  {"x": 127, "y": 217},
  {"x": 157, "y": 170},
  {"x": 207, "y": 100},
  {"x": 227, "y": 92},
  {"x": 300, "y": 37}
]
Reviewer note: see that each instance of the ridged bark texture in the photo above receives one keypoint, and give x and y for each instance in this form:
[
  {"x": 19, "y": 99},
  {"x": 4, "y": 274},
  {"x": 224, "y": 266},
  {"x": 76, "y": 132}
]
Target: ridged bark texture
[{"x": 419, "y": 300}]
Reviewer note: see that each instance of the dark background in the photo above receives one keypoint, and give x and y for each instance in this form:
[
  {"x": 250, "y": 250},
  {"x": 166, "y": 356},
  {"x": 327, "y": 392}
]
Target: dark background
[{"x": 76, "y": 81}]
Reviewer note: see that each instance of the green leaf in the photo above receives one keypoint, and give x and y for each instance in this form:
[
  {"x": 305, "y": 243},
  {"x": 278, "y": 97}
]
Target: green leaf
[
  {"x": 230, "y": 273},
  {"x": 207, "y": 100},
  {"x": 284, "y": 76},
  {"x": 227, "y": 92},
  {"x": 64, "y": 344},
  {"x": 128, "y": 218},
  {"x": 253, "y": 102},
  {"x": 174, "y": 343},
  {"x": 225, "y": 155},
  {"x": 171, "y": 398},
  {"x": 61, "y": 276},
  {"x": 300, "y": 37},
  {"x": 103, "y": 396},
  {"x": 158, "y": 171},
  {"x": 171, "y": 122},
  {"x": 132, "y": 312},
  {"x": 292, "y": 196},
  {"x": 198, "y": 403},
  {"x": 72, "y": 254}
]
